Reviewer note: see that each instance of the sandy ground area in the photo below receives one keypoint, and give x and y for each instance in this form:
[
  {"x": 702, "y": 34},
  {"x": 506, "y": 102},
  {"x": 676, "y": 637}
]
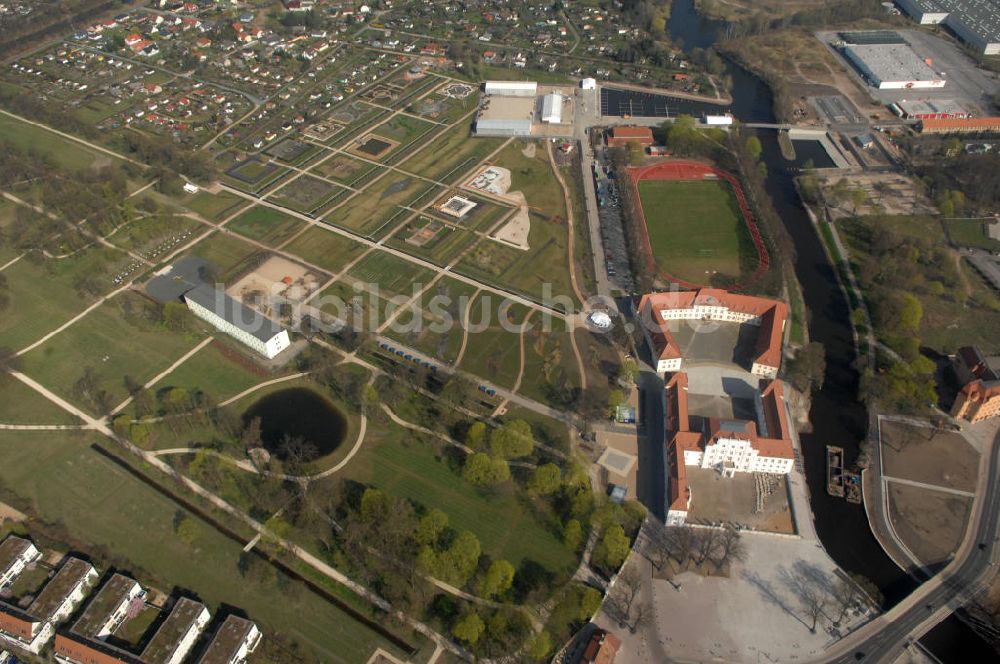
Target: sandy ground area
[
  {"x": 755, "y": 615},
  {"x": 268, "y": 278},
  {"x": 932, "y": 456},
  {"x": 8, "y": 513},
  {"x": 496, "y": 180},
  {"x": 518, "y": 228},
  {"x": 930, "y": 523}
]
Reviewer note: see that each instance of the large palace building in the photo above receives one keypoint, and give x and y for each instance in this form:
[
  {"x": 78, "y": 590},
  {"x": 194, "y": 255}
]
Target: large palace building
[
  {"x": 658, "y": 310},
  {"x": 729, "y": 446}
]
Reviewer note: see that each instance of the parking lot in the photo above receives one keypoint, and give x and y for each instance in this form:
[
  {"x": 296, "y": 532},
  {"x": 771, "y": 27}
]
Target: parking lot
[
  {"x": 966, "y": 83},
  {"x": 612, "y": 230}
]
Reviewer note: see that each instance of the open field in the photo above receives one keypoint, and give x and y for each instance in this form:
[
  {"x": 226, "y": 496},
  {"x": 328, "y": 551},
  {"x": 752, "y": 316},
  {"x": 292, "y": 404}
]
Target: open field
[
  {"x": 970, "y": 233},
  {"x": 265, "y": 225},
  {"x": 19, "y": 404},
  {"x": 155, "y": 235},
  {"x": 930, "y": 523},
  {"x": 217, "y": 370},
  {"x": 394, "y": 276},
  {"x": 453, "y": 156},
  {"x": 368, "y": 211},
  {"x": 108, "y": 511},
  {"x": 114, "y": 340},
  {"x": 227, "y": 252},
  {"x": 324, "y": 248},
  {"x": 441, "y": 308},
  {"x": 695, "y": 229},
  {"x": 408, "y": 466},
  {"x": 63, "y": 152},
  {"x": 550, "y": 367},
  {"x": 214, "y": 207},
  {"x": 442, "y": 244},
  {"x": 933, "y": 456},
  {"x": 492, "y": 351},
  {"x": 43, "y": 294},
  {"x": 966, "y": 313}
]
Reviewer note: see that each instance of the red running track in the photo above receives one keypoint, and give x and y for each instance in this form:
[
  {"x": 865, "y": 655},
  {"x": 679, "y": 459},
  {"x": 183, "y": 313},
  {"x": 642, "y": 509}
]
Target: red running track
[{"x": 693, "y": 170}]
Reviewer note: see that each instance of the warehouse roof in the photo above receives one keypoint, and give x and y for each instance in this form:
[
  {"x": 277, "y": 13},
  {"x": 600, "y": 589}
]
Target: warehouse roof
[{"x": 892, "y": 62}]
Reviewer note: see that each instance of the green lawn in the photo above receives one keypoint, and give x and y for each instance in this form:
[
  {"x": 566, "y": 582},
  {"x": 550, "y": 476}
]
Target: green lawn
[
  {"x": 212, "y": 372},
  {"x": 545, "y": 266},
  {"x": 107, "y": 512},
  {"x": 971, "y": 233},
  {"x": 492, "y": 351},
  {"x": 155, "y": 235},
  {"x": 113, "y": 345},
  {"x": 43, "y": 294},
  {"x": 439, "y": 333},
  {"x": 214, "y": 207},
  {"x": 392, "y": 275},
  {"x": 64, "y": 152},
  {"x": 405, "y": 466},
  {"x": 453, "y": 155},
  {"x": 550, "y": 364},
  {"x": 227, "y": 252},
  {"x": 266, "y": 225},
  {"x": 344, "y": 169},
  {"x": 695, "y": 229},
  {"x": 19, "y": 404},
  {"x": 369, "y": 210},
  {"x": 319, "y": 246}
]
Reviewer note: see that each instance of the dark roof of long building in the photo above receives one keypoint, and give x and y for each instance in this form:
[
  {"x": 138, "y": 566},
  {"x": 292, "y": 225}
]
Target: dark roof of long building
[{"x": 234, "y": 311}]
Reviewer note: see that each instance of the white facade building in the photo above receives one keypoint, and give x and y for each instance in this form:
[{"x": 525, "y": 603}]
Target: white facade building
[
  {"x": 239, "y": 321},
  {"x": 16, "y": 553},
  {"x": 552, "y": 108},
  {"x": 235, "y": 640},
  {"x": 511, "y": 88},
  {"x": 588, "y": 84},
  {"x": 33, "y": 628},
  {"x": 976, "y": 22},
  {"x": 178, "y": 633},
  {"x": 736, "y": 455},
  {"x": 893, "y": 67}
]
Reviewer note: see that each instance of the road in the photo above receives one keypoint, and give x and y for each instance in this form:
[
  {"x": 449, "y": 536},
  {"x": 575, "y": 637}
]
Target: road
[{"x": 975, "y": 563}]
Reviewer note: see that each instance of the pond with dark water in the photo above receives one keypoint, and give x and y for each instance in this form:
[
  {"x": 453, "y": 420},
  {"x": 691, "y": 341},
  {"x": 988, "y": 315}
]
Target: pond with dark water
[{"x": 298, "y": 412}]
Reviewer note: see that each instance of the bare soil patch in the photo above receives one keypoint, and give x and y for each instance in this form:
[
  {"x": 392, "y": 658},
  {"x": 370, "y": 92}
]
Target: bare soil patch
[
  {"x": 930, "y": 523},
  {"x": 932, "y": 456}
]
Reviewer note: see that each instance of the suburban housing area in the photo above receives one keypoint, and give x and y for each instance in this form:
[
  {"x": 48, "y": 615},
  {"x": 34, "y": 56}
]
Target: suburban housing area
[{"x": 97, "y": 632}]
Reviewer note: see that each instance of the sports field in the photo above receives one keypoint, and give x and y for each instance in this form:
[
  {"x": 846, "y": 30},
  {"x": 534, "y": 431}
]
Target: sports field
[{"x": 695, "y": 229}]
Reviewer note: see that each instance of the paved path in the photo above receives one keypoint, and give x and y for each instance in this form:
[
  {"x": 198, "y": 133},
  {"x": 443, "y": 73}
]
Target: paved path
[
  {"x": 41, "y": 427},
  {"x": 258, "y": 386},
  {"x": 924, "y": 485},
  {"x": 163, "y": 374},
  {"x": 75, "y": 139},
  {"x": 10, "y": 262}
]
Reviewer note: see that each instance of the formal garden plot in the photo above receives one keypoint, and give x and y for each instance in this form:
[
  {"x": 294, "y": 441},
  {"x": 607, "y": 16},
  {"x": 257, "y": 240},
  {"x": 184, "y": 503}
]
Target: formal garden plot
[
  {"x": 306, "y": 194},
  {"x": 291, "y": 151},
  {"x": 345, "y": 169},
  {"x": 441, "y": 310},
  {"x": 325, "y": 248},
  {"x": 266, "y": 225},
  {"x": 482, "y": 217},
  {"x": 368, "y": 211},
  {"x": 432, "y": 239},
  {"x": 392, "y": 276},
  {"x": 444, "y": 107},
  {"x": 454, "y": 155},
  {"x": 254, "y": 174},
  {"x": 373, "y": 146},
  {"x": 228, "y": 255}
]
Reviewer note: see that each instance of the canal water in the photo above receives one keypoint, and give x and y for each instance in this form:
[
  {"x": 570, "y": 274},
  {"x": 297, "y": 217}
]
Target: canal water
[{"x": 837, "y": 417}]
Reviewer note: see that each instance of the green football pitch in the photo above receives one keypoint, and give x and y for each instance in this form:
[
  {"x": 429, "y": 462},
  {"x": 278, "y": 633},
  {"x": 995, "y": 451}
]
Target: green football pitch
[{"x": 696, "y": 231}]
